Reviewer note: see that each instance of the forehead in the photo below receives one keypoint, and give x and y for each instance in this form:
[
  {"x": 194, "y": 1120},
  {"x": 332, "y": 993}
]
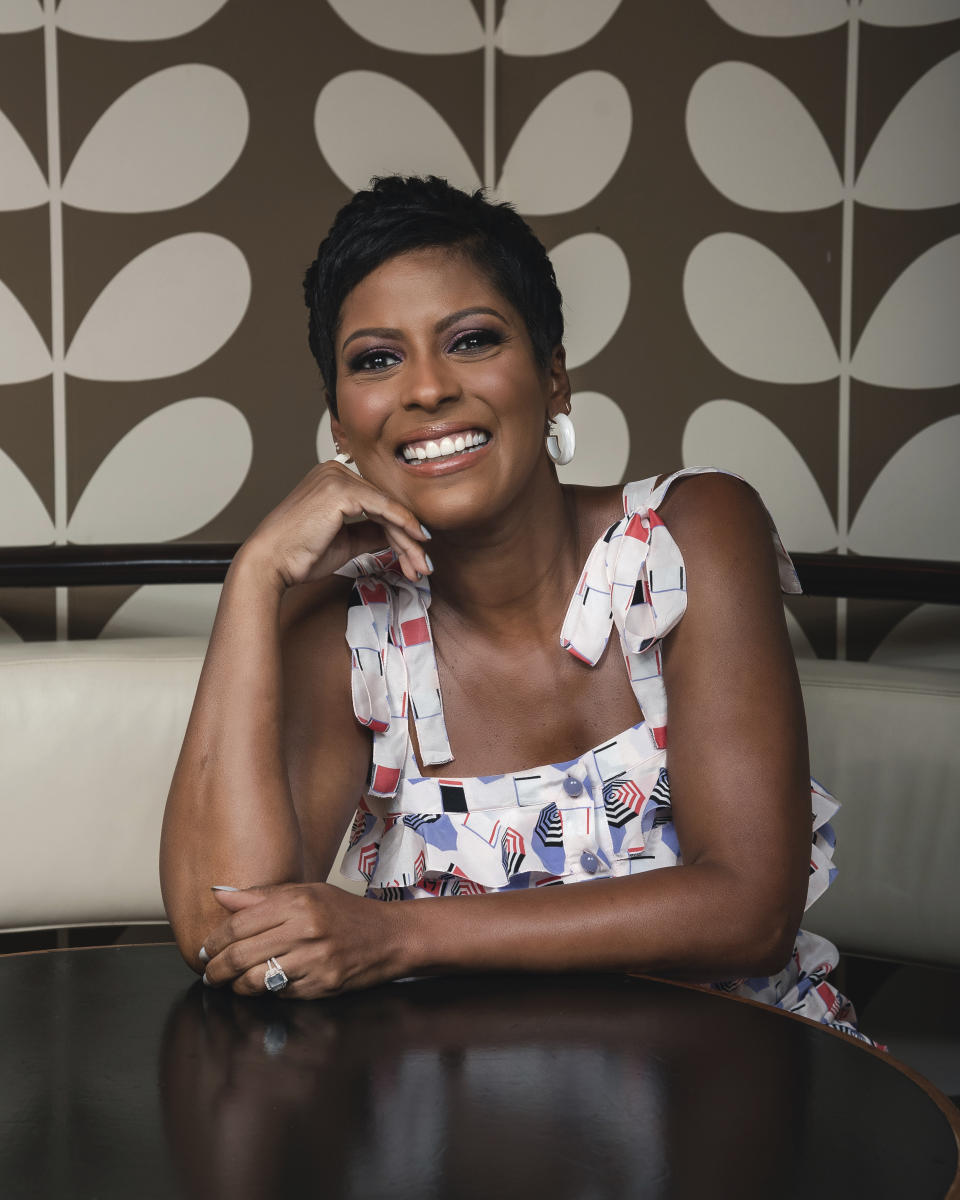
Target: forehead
[{"x": 420, "y": 285}]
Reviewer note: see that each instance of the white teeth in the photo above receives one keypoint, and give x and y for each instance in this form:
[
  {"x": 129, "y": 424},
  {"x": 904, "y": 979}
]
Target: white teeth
[{"x": 446, "y": 446}]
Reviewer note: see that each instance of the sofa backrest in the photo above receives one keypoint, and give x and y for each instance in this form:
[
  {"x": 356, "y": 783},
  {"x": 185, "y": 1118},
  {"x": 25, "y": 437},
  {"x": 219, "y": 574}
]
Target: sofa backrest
[{"x": 90, "y": 732}]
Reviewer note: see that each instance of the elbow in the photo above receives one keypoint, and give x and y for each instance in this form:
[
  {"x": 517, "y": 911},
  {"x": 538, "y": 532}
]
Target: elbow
[{"x": 772, "y": 939}]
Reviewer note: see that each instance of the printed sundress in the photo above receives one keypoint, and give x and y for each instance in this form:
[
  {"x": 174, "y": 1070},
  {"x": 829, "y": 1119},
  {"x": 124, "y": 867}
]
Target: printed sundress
[{"x": 605, "y": 813}]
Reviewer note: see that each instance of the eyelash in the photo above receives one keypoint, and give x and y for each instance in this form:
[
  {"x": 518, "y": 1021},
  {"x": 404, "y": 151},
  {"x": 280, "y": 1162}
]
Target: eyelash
[{"x": 486, "y": 337}]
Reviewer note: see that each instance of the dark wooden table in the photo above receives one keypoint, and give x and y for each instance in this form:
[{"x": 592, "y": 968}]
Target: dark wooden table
[{"x": 120, "y": 1076}]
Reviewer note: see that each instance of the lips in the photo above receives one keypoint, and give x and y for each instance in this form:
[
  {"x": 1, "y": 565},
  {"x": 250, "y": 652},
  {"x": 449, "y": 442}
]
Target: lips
[{"x": 464, "y": 441}]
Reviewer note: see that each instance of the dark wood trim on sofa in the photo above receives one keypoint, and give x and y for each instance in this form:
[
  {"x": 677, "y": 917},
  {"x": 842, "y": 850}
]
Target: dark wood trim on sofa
[{"x": 920, "y": 580}]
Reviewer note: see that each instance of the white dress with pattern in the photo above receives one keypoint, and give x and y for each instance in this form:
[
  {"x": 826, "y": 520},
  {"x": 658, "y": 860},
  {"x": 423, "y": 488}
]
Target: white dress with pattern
[{"x": 605, "y": 813}]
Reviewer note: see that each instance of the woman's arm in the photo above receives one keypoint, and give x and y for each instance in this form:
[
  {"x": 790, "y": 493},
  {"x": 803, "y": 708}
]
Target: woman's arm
[
  {"x": 231, "y": 816},
  {"x": 740, "y": 791}
]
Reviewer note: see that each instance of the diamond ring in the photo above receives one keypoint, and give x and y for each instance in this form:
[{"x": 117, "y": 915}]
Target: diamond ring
[{"x": 275, "y": 978}]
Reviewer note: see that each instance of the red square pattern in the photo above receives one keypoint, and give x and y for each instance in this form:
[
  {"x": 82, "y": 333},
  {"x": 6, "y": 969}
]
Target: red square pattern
[{"x": 415, "y": 632}]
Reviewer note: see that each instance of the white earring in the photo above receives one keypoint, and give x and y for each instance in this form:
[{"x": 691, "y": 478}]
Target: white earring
[{"x": 561, "y": 439}]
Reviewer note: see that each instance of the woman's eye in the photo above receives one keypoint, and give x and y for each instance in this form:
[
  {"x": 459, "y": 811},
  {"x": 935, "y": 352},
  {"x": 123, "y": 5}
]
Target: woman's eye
[
  {"x": 476, "y": 339},
  {"x": 374, "y": 360}
]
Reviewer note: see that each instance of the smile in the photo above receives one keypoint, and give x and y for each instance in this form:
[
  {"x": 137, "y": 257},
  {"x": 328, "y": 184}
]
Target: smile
[{"x": 461, "y": 443}]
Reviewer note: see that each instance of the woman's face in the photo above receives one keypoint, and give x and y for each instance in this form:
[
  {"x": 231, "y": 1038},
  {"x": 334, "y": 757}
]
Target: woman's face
[{"x": 441, "y": 402}]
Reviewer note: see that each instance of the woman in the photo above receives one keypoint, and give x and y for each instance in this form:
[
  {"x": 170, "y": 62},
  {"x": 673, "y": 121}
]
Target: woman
[{"x": 435, "y": 319}]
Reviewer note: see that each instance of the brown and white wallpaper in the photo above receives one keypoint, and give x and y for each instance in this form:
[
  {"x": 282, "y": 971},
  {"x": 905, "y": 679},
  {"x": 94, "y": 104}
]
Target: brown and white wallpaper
[{"x": 753, "y": 209}]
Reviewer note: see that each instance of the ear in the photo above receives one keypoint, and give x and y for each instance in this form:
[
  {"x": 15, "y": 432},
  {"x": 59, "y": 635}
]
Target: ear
[
  {"x": 339, "y": 436},
  {"x": 558, "y": 399}
]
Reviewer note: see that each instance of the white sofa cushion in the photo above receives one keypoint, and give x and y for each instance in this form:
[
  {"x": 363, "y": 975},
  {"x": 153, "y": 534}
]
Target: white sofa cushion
[
  {"x": 886, "y": 741},
  {"x": 90, "y": 732}
]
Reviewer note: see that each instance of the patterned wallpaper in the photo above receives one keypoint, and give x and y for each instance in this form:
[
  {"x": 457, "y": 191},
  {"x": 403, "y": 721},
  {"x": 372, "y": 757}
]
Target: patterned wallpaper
[{"x": 753, "y": 209}]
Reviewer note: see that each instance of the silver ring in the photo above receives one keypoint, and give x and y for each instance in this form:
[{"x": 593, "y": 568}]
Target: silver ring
[{"x": 276, "y": 978}]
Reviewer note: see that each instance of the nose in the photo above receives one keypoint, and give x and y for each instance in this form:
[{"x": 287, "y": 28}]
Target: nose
[{"x": 430, "y": 381}]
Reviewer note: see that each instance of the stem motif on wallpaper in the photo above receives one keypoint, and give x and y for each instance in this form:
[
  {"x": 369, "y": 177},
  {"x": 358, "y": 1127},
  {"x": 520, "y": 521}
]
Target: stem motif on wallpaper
[
  {"x": 163, "y": 143},
  {"x": 585, "y": 120},
  {"x": 758, "y": 145}
]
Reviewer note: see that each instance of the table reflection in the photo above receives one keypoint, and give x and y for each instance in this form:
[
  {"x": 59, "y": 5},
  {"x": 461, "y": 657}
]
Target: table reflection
[{"x": 475, "y": 1087}]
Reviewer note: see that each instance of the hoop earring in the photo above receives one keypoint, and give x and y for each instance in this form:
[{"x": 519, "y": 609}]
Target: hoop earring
[{"x": 561, "y": 439}]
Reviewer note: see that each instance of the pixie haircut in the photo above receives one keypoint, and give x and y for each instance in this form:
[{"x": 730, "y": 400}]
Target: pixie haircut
[{"x": 399, "y": 214}]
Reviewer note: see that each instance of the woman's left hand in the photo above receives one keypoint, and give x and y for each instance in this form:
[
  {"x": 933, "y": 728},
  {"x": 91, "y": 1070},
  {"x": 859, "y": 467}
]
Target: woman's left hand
[{"x": 325, "y": 939}]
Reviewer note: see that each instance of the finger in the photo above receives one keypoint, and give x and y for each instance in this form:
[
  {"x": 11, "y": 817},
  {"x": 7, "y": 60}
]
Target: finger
[
  {"x": 247, "y": 922},
  {"x": 253, "y": 981},
  {"x": 386, "y": 511},
  {"x": 246, "y": 957}
]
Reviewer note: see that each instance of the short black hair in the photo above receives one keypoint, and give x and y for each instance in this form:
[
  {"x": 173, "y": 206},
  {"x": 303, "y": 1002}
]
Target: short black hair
[{"x": 401, "y": 213}]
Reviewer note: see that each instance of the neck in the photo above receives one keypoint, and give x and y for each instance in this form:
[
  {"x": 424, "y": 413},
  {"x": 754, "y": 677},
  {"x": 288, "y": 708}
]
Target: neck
[{"x": 516, "y": 574}]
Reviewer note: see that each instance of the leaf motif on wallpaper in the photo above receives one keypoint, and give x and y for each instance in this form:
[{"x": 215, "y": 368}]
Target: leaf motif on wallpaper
[
  {"x": 23, "y": 352},
  {"x": 24, "y": 520},
  {"x": 135, "y": 20},
  {"x": 726, "y": 433},
  {"x": 166, "y": 311},
  {"x": 414, "y": 26},
  {"x": 927, "y": 637},
  {"x": 603, "y": 441},
  {"x": 170, "y": 475},
  {"x": 756, "y": 142},
  {"x": 911, "y": 339},
  {"x": 349, "y": 125},
  {"x": 585, "y": 120},
  {"x": 166, "y": 610},
  {"x": 753, "y": 313},
  {"x": 782, "y": 18},
  {"x": 529, "y": 28},
  {"x": 908, "y": 12},
  {"x": 325, "y": 447},
  {"x": 20, "y": 16},
  {"x": 165, "y": 141},
  {"x": 914, "y": 162},
  {"x": 22, "y": 183},
  {"x": 904, "y": 514},
  {"x": 594, "y": 279}
]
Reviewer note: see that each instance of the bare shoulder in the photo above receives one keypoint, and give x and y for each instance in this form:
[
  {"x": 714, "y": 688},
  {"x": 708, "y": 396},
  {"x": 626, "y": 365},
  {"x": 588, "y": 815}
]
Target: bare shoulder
[{"x": 720, "y": 526}]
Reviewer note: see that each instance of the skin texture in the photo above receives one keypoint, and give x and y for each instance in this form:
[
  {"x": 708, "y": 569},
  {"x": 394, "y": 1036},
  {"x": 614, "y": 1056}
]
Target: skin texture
[{"x": 273, "y": 762}]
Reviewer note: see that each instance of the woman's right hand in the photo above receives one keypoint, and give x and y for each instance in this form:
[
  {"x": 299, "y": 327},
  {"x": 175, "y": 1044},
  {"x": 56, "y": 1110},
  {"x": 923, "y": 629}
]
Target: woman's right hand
[{"x": 331, "y": 516}]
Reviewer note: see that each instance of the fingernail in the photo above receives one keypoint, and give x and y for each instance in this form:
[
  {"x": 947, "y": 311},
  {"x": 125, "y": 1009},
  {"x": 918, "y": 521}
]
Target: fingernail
[
  {"x": 223, "y": 887},
  {"x": 429, "y": 562},
  {"x": 203, "y": 955},
  {"x": 425, "y": 531},
  {"x": 206, "y": 981}
]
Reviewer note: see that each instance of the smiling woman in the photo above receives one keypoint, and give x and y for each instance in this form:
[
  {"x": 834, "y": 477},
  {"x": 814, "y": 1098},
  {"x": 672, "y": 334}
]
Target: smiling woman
[{"x": 464, "y": 705}]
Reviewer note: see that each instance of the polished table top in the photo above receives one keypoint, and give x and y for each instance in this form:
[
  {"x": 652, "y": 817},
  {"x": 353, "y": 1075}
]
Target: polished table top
[{"x": 120, "y": 1076}]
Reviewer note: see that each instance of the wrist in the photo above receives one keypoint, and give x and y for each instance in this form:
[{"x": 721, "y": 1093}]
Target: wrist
[{"x": 252, "y": 571}]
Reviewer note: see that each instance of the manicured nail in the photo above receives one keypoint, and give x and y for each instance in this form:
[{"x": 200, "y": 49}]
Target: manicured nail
[
  {"x": 223, "y": 887},
  {"x": 429, "y": 562},
  {"x": 425, "y": 531},
  {"x": 203, "y": 955},
  {"x": 206, "y": 981}
]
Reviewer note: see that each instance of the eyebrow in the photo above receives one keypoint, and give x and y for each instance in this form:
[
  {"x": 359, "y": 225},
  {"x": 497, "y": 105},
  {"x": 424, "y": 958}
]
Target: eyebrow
[{"x": 381, "y": 331}]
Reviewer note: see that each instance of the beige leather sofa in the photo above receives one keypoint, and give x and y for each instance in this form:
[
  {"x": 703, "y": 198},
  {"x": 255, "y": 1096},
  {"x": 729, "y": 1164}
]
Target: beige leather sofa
[{"x": 90, "y": 730}]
